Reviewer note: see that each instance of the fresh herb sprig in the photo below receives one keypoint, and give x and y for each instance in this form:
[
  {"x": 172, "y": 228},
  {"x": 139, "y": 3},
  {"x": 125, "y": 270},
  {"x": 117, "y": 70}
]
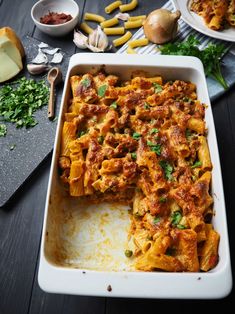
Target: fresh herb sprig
[
  {"x": 210, "y": 56},
  {"x": 20, "y": 99}
]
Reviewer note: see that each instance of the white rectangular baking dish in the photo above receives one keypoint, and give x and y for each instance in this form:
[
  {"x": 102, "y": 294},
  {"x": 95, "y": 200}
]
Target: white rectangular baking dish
[{"x": 82, "y": 246}]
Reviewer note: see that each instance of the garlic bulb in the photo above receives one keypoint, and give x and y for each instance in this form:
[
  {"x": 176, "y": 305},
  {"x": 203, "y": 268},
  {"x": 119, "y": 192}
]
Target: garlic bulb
[
  {"x": 80, "y": 40},
  {"x": 98, "y": 40}
]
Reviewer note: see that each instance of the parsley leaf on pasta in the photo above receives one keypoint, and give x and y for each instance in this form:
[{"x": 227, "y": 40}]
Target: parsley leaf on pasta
[{"x": 168, "y": 169}]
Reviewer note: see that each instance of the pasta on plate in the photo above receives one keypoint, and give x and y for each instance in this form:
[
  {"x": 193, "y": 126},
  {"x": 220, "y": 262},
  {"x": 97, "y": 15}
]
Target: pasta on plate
[
  {"x": 143, "y": 143},
  {"x": 217, "y": 14}
]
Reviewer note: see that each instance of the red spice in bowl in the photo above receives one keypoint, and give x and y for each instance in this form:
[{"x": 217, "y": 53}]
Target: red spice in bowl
[{"x": 54, "y": 18}]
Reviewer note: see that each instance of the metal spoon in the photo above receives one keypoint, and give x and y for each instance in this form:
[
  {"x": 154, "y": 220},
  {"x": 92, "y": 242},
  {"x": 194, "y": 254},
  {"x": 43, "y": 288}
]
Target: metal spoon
[{"x": 54, "y": 76}]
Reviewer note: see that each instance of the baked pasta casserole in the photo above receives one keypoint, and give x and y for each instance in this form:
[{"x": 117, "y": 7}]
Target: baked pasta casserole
[
  {"x": 143, "y": 143},
  {"x": 217, "y": 14}
]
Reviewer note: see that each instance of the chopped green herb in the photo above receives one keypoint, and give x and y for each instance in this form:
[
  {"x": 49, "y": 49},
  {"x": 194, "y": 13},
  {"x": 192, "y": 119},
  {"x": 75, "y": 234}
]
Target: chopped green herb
[
  {"x": 188, "y": 134},
  {"x": 194, "y": 178},
  {"x": 100, "y": 139},
  {"x": 102, "y": 90},
  {"x": 156, "y": 220},
  {"x": 86, "y": 82},
  {"x": 133, "y": 155},
  {"x": 114, "y": 105},
  {"x": 210, "y": 55},
  {"x": 179, "y": 226},
  {"x": 175, "y": 218},
  {"x": 156, "y": 148},
  {"x": 197, "y": 164},
  {"x": 3, "y": 129},
  {"x": 154, "y": 130},
  {"x": 157, "y": 88},
  {"x": 20, "y": 99},
  {"x": 136, "y": 136},
  {"x": 146, "y": 106},
  {"x": 162, "y": 199},
  {"x": 168, "y": 169},
  {"x": 128, "y": 253},
  {"x": 81, "y": 133}
]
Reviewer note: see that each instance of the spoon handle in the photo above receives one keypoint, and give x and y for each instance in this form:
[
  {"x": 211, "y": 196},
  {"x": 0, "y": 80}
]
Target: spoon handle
[{"x": 51, "y": 104}]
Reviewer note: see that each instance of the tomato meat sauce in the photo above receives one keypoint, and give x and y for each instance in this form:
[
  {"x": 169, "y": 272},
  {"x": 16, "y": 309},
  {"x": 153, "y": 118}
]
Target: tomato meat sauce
[{"x": 54, "y": 18}]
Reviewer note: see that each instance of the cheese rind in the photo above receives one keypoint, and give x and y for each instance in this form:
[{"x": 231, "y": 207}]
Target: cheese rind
[
  {"x": 11, "y": 35},
  {"x": 8, "y": 67}
]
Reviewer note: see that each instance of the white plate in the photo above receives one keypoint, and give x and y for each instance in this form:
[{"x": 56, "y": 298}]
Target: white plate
[
  {"x": 76, "y": 257},
  {"x": 197, "y": 22}
]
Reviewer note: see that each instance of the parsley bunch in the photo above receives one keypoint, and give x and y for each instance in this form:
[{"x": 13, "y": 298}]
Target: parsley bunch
[
  {"x": 210, "y": 56},
  {"x": 20, "y": 99}
]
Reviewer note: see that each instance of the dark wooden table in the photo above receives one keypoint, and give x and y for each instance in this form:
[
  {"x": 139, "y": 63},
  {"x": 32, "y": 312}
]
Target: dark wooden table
[{"x": 21, "y": 220}]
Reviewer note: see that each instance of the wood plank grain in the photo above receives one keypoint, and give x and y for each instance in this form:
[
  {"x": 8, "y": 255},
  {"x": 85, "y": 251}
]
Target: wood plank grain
[
  {"x": 45, "y": 303},
  {"x": 20, "y": 229},
  {"x": 17, "y": 16}
]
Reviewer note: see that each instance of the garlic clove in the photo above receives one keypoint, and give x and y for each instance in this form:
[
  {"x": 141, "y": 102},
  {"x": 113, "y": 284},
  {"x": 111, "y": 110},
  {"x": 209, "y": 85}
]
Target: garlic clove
[
  {"x": 35, "y": 69},
  {"x": 80, "y": 40},
  {"x": 98, "y": 40},
  {"x": 40, "y": 58},
  {"x": 122, "y": 16}
]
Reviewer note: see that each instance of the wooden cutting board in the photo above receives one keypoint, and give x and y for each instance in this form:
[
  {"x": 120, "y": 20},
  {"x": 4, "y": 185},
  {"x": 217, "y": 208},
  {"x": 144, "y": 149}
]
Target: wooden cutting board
[{"x": 23, "y": 150}]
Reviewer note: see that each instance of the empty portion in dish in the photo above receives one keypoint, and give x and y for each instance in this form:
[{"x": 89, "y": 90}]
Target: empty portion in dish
[
  {"x": 217, "y": 15},
  {"x": 139, "y": 143}
]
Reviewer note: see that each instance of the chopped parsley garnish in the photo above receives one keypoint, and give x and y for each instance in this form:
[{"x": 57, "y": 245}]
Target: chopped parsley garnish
[
  {"x": 157, "y": 88},
  {"x": 146, "y": 106},
  {"x": 168, "y": 169},
  {"x": 179, "y": 226},
  {"x": 133, "y": 156},
  {"x": 156, "y": 148},
  {"x": 162, "y": 199},
  {"x": 136, "y": 136},
  {"x": 114, "y": 105},
  {"x": 175, "y": 218},
  {"x": 3, "y": 129},
  {"x": 197, "y": 164},
  {"x": 153, "y": 131},
  {"x": 156, "y": 220},
  {"x": 100, "y": 139},
  {"x": 81, "y": 133},
  {"x": 188, "y": 134},
  {"x": 20, "y": 99},
  {"x": 86, "y": 82},
  {"x": 210, "y": 56},
  {"x": 102, "y": 90},
  {"x": 128, "y": 253}
]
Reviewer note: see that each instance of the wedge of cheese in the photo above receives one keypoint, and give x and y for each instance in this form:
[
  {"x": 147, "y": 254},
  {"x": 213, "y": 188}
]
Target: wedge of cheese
[
  {"x": 11, "y": 53},
  {"x": 11, "y": 35}
]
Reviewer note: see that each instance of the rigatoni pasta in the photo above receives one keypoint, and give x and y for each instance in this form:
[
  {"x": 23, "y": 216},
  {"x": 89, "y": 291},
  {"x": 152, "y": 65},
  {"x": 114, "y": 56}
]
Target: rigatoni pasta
[
  {"x": 114, "y": 30},
  {"x": 129, "y": 6},
  {"x": 131, "y": 142},
  {"x": 109, "y": 23},
  {"x": 93, "y": 17},
  {"x": 112, "y": 6},
  {"x": 122, "y": 40}
]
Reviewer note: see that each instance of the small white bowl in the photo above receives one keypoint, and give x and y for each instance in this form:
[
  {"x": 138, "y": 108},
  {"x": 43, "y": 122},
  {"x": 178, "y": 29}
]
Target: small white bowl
[{"x": 43, "y": 7}]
